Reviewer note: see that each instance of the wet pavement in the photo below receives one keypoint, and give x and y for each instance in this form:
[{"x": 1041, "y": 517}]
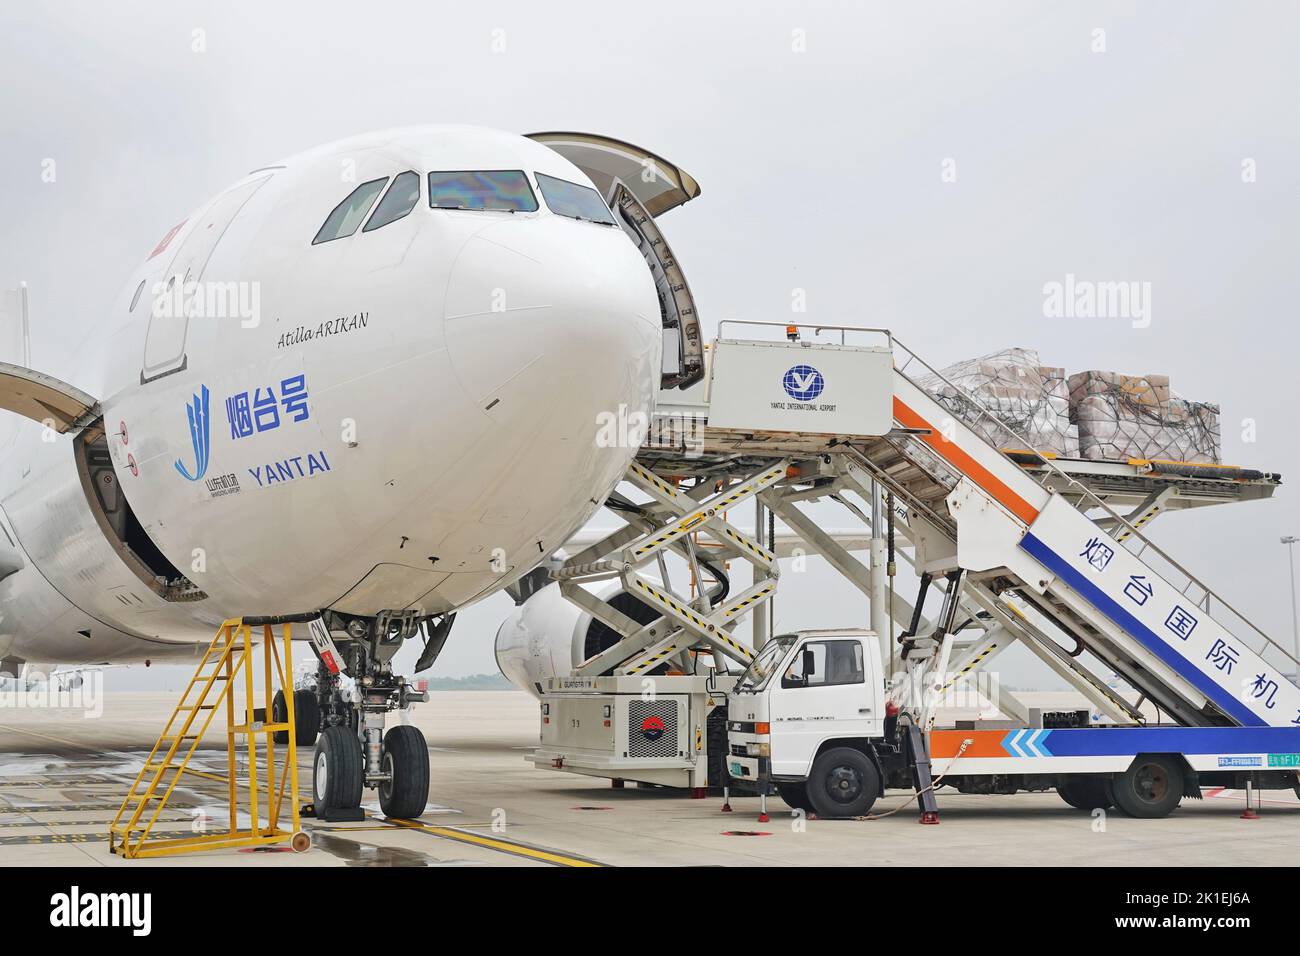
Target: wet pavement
[{"x": 63, "y": 777}]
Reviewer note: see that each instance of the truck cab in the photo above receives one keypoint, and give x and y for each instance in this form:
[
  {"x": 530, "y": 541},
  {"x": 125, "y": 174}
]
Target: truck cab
[{"x": 807, "y": 719}]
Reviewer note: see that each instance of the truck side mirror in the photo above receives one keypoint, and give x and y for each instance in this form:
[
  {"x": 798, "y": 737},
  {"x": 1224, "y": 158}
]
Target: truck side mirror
[{"x": 809, "y": 663}]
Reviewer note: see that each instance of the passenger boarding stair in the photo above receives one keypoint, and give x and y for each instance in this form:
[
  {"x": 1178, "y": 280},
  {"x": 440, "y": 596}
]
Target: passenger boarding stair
[{"x": 1041, "y": 541}]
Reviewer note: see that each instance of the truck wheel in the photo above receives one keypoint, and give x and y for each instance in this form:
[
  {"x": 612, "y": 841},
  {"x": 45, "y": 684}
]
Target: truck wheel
[
  {"x": 1150, "y": 788},
  {"x": 1085, "y": 793},
  {"x": 795, "y": 795},
  {"x": 716, "y": 737},
  {"x": 406, "y": 759},
  {"x": 843, "y": 783}
]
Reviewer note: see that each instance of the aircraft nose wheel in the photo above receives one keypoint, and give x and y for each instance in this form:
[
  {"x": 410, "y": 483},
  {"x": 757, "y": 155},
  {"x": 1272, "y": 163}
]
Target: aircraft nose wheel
[
  {"x": 337, "y": 772},
  {"x": 405, "y": 793}
]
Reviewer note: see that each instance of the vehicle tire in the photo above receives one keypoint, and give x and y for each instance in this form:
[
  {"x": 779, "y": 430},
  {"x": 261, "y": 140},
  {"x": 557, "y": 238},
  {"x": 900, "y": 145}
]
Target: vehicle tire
[
  {"x": 277, "y": 715},
  {"x": 795, "y": 795},
  {"x": 1150, "y": 788},
  {"x": 719, "y": 747},
  {"x": 306, "y": 716},
  {"x": 337, "y": 770},
  {"x": 843, "y": 783},
  {"x": 1085, "y": 793},
  {"x": 406, "y": 757}
]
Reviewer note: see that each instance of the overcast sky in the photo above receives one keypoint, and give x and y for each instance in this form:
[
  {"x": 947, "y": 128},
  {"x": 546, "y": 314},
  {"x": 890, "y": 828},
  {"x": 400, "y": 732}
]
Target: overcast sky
[{"x": 1153, "y": 142}]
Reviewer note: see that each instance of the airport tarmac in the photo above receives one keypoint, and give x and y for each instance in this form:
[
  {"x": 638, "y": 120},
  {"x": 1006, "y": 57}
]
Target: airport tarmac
[{"x": 62, "y": 777}]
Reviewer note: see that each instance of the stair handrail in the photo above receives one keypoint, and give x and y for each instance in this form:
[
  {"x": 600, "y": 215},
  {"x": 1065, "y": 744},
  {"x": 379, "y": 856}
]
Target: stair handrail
[{"x": 1093, "y": 500}]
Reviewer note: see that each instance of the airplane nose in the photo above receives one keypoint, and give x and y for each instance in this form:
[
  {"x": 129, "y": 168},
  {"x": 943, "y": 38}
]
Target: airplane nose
[{"x": 550, "y": 315}]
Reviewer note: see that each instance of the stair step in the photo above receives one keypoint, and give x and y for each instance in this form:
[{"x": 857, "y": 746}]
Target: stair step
[{"x": 931, "y": 494}]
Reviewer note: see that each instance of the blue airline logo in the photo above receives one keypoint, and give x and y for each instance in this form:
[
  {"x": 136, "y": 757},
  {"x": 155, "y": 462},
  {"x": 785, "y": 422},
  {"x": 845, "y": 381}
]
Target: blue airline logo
[{"x": 200, "y": 435}]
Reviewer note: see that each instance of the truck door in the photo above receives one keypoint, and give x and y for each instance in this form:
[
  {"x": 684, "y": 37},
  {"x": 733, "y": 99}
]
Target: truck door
[{"x": 822, "y": 693}]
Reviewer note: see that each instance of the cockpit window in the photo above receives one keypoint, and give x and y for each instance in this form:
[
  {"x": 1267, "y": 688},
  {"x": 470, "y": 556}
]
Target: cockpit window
[
  {"x": 397, "y": 202},
  {"x": 347, "y": 215},
  {"x": 573, "y": 201},
  {"x": 499, "y": 189}
]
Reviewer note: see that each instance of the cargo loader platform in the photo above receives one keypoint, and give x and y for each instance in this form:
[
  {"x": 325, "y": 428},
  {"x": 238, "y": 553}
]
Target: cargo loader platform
[{"x": 1021, "y": 546}]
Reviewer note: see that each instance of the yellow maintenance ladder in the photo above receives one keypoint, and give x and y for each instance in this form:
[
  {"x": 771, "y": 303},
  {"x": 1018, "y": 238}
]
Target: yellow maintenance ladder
[{"x": 228, "y": 662}]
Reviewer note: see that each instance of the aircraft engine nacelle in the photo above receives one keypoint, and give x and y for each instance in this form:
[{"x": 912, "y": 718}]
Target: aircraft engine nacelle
[{"x": 548, "y": 636}]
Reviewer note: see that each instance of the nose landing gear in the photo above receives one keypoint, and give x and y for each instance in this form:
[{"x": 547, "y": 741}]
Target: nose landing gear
[{"x": 354, "y": 751}]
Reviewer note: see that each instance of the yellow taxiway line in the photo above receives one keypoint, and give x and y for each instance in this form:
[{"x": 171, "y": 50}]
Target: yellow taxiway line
[{"x": 475, "y": 839}]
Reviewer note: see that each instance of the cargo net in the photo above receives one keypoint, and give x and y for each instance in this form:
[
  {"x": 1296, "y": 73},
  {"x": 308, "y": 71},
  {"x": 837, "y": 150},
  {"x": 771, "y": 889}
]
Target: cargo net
[
  {"x": 1131, "y": 416},
  {"x": 1029, "y": 398},
  {"x": 1093, "y": 415}
]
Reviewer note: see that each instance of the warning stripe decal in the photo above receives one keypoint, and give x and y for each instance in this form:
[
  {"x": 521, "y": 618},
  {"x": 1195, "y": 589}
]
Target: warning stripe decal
[{"x": 1114, "y": 741}]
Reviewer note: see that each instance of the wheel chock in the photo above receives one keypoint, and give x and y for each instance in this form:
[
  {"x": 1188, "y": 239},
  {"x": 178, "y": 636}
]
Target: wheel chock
[{"x": 341, "y": 815}]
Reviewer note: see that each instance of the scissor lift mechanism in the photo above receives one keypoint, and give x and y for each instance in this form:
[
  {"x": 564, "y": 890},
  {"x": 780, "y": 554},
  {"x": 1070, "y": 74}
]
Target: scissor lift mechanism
[{"x": 929, "y": 481}]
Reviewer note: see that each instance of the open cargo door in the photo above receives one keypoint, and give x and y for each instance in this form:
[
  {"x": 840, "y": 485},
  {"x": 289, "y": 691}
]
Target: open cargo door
[
  {"x": 45, "y": 399},
  {"x": 657, "y": 184},
  {"x": 639, "y": 187}
]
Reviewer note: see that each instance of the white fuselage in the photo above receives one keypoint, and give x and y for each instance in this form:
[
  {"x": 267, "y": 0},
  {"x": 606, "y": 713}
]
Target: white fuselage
[{"x": 423, "y": 406}]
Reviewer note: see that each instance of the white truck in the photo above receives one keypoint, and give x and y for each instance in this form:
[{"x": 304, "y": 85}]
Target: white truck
[{"x": 811, "y": 718}]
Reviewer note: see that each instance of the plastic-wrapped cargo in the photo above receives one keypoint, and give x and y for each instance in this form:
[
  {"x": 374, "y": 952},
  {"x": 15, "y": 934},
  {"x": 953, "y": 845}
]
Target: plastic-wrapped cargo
[
  {"x": 1138, "y": 416},
  {"x": 1028, "y": 397}
]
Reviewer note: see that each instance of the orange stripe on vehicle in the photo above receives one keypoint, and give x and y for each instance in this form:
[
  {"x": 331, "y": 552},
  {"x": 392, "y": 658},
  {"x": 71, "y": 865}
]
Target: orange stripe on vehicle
[
  {"x": 963, "y": 462},
  {"x": 986, "y": 743}
]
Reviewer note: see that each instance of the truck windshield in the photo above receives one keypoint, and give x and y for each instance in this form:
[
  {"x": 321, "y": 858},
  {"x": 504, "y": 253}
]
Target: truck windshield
[{"x": 762, "y": 667}]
